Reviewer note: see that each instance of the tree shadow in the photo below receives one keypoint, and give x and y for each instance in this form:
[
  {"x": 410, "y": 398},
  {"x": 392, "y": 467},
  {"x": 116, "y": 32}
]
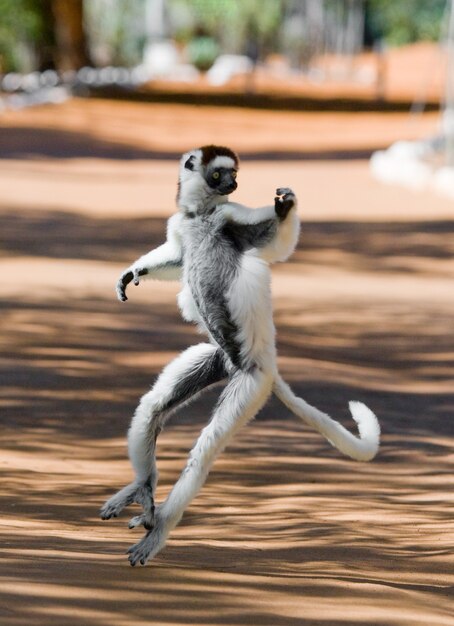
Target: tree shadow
[
  {"x": 284, "y": 524},
  {"x": 26, "y": 142},
  {"x": 364, "y": 246},
  {"x": 378, "y": 246},
  {"x": 262, "y": 101},
  {"x": 66, "y": 359}
]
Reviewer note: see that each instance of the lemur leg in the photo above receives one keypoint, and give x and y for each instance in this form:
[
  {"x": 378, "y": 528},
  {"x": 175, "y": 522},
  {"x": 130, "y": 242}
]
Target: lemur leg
[
  {"x": 244, "y": 395},
  {"x": 182, "y": 380}
]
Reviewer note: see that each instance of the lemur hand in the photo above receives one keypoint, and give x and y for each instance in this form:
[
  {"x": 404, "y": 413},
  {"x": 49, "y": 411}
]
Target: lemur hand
[
  {"x": 124, "y": 280},
  {"x": 284, "y": 201}
]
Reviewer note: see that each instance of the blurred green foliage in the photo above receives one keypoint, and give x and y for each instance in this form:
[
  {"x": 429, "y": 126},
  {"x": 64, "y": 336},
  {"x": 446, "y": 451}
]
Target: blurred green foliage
[
  {"x": 202, "y": 52},
  {"x": 401, "y": 22},
  {"x": 27, "y": 38},
  {"x": 21, "y": 23},
  {"x": 116, "y": 37},
  {"x": 232, "y": 22}
]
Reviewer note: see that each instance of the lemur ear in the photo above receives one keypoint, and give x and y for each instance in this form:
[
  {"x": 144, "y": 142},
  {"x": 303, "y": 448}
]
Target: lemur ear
[{"x": 189, "y": 165}]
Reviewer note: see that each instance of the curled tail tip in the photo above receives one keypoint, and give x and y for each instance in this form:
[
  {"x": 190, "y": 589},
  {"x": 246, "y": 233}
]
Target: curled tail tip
[{"x": 369, "y": 429}]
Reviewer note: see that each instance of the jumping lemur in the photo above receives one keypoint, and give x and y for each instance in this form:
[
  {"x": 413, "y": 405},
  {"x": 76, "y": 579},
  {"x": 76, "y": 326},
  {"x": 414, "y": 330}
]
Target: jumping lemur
[{"x": 221, "y": 252}]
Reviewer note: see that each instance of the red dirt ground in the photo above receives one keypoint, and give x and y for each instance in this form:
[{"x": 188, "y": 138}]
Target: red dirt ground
[{"x": 286, "y": 532}]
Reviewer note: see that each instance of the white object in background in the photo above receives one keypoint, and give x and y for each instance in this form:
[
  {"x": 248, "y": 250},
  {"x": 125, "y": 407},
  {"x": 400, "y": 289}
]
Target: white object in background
[
  {"x": 401, "y": 164},
  {"x": 185, "y": 73},
  {"x": 443, "y": 181},
  {"x": 160, "y": 59},
  {"x": 228, "y": 65},
  {"x": 12, "y": 81}
]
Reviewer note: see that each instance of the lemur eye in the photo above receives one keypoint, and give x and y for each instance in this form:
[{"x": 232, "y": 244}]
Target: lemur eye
[
  {"x": 216, "y": 175},
  {"x": 234, "y": 173}
]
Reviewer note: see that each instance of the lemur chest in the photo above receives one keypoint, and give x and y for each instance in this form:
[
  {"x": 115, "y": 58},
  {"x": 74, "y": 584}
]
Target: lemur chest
[
  {"x": 210, "y": 266},
  {"x": 227, "y": 293},
  {"x": 210, "y": 261}
]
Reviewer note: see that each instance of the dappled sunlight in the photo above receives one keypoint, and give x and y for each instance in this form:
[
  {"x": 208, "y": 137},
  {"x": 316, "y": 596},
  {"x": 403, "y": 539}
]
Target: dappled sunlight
[
  {"x": 283, "y": 522},
  {"x": 127, "y": 130},
  {"x": 286, "y": 531}
]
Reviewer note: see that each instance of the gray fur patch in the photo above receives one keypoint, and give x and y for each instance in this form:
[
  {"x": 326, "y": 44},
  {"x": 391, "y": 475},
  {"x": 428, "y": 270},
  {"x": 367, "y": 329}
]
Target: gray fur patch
[
  {"x": 206, "y": 372},
  {"x": 212, "y": 263},
  {"x": 167, "y": 265},
  {"x": 247, "y": 236}
]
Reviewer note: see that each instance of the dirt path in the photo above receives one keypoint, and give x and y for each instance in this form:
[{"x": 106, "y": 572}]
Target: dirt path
[{"x": 286, "y": 532}]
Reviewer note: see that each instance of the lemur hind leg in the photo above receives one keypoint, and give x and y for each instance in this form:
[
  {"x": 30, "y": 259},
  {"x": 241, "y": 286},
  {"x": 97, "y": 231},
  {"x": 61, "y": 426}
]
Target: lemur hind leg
[
  {"x": 182, "y": 380},
  {"x": 243, "y": 397}
]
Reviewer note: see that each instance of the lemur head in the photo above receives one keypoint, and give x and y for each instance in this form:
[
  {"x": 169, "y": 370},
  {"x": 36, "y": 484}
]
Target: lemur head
[{"x": 207, "y": 176}]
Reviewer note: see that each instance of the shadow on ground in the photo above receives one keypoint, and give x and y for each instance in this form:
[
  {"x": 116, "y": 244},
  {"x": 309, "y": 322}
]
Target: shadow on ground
[
  {"x": 66, "y": 360},
  {"x": 29, "y": 142},
  {"x": 285, "y": 532},
  {"x": 366, "y": 246}
]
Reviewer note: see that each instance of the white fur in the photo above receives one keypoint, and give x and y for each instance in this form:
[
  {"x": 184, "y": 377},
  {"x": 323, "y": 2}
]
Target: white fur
[
  {"x": 223, "y": 161},
  {"x": 187, "y": 305},
  {"x": 232, "y": 211},
  {"x": 363, "y": 448},
  {"x": 252, "y": 315},
  {"x": 151, "y": 402},
  {"x": 249, "y": 303},
  {"x": 244, "y": 395},
  {"x": 282, "y": 246},
  {"x": 155, "y": 260}
]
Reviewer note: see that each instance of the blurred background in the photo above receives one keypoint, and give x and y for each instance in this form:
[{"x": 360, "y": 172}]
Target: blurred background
[
  {"x": 351, "y": 103},
  {"x": 355, "y": 55},
  {"x": 137, "y": 41}
]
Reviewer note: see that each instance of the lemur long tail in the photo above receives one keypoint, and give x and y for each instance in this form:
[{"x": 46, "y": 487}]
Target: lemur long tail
[{"x": 362, "y": 448}]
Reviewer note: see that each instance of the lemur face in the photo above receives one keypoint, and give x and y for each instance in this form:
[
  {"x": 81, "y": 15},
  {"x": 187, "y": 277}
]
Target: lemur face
[
  {"x": 217, "y": 166},
  {"x": 220, "y": 175},
  {"x": 221, "y": 179}
]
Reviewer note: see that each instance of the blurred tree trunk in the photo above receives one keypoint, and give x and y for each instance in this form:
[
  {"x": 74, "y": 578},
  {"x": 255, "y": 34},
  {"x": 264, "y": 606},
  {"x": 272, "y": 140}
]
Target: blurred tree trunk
[
  {"x": 71, "y": 43},
  {"x": 45, "y": 49}
]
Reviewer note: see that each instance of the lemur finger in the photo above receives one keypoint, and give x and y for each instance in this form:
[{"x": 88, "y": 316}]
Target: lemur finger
[
  {"x": 136, "y": 521},
  {"x": 138, "y": 272},
  {"x": 141, "y": 520},
  {"x": 284, "y": 191},
  {"x": 121, "y": 295},
  {"x": 122, "y": 284}
]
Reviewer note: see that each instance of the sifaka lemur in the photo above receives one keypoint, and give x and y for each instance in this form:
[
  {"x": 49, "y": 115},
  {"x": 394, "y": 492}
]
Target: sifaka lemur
[{"x": 221, "y": 252}]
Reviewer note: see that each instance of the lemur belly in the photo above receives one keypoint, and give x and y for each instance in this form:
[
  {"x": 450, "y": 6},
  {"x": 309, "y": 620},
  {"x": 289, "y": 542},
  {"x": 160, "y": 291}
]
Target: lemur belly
[
  {"x": 249, "y": 302},
  {"x": 227, "y": 294}
]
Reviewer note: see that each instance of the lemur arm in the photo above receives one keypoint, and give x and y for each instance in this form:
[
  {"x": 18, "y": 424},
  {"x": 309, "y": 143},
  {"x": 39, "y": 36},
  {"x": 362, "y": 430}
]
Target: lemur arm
[
  {"x": 273, "y": 230},
  {"x": 162, "y": 263}
]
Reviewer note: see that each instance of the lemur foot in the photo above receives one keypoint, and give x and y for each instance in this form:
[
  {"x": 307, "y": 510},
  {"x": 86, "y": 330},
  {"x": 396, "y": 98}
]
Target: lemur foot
[
  {"x": 151, "y": 543},
  {"x": 147, "y": 521},
  {"x": 141, "y": 493},
  {"x": 284, "y": 201}
]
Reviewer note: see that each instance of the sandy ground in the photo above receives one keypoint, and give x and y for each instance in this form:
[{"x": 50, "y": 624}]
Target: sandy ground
[{"x": 285, "y": 531}]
